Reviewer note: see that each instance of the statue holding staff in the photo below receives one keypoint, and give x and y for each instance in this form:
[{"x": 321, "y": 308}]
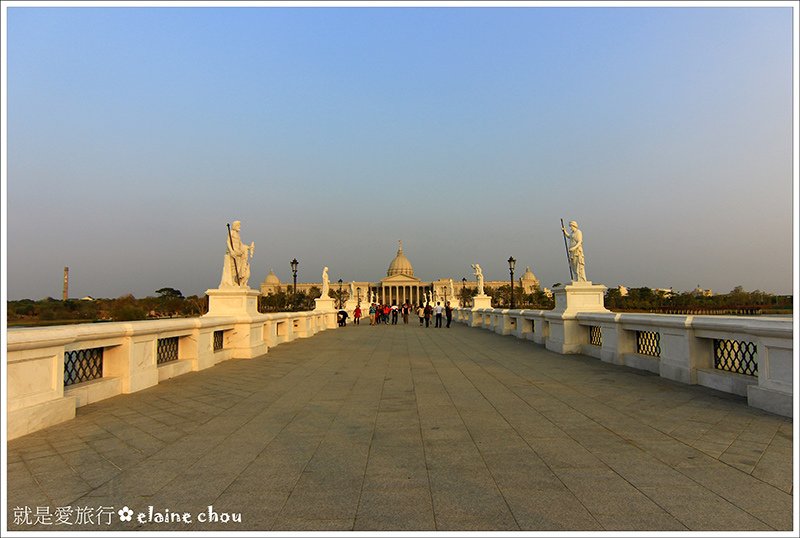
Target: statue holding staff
[
  {"x": 575, "y": 250},
  {"x": 236, "y": 267}
]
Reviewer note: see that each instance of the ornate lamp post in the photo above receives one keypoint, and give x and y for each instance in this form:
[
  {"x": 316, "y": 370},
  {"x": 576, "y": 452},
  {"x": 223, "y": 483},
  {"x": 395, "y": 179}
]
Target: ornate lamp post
[
  {"x": 358, "y": 294},
  {"x": 464, "y": 291},
  {"x": 293, "y": 263},
  {"x": 340, "y": 293},
  {"x": 511, "y": 263}
]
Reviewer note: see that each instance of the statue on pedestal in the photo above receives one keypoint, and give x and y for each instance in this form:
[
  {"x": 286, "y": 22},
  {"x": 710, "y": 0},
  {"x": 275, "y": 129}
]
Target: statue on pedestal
[
  {"x": 352, "y": 291},
  {"x": 325, "y": 283},
  {"x": 479, "y": 277},
  {"x": 575, "y": 251},
  {"x": 236, "y": 267},
  {"x": 452, "y": 290}
]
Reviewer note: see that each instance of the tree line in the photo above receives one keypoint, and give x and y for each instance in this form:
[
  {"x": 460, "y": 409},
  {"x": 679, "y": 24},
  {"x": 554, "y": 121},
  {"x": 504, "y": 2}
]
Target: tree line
[{"x": 170, "y": 302}]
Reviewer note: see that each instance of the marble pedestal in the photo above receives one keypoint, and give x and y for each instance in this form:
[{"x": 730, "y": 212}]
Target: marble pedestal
[
  {"x": 232, "y": 301},
  {"x": 566, "y": 335},
  {"x": 478, "y": 302},
  {"x": 481, "y": 301},
  {"x": 325, "y": 304},
  {"x": 246, "y": 341}
]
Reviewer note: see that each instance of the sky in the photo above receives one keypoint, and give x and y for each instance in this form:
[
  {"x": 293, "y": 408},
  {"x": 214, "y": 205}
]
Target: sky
[{"x": 135, "y": 134}]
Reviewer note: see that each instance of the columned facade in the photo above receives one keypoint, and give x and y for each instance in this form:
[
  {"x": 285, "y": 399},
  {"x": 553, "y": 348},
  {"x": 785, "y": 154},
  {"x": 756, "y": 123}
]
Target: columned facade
[{"x": 389, "y": 293}]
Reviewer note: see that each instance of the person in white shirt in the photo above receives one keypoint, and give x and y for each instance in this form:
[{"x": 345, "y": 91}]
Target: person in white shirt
[{"x": 438, "y": 310}]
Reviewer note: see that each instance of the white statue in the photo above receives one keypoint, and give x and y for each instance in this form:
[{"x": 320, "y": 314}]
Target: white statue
[
  {"x": 479, "y": 276},
  {"x": 326, "y": 283},
  {"x": 576, "y": 259},
  {"x": 352, "y": 290},
  {"x": 236, "y": 267},
  {"x": 452, "y": 290}
]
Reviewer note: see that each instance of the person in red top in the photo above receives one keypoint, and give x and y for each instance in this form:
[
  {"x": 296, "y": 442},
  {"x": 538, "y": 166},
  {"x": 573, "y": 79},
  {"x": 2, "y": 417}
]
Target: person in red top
[
  {"x": 357, "y": 315},
  {"x": 386, "y": 310}
]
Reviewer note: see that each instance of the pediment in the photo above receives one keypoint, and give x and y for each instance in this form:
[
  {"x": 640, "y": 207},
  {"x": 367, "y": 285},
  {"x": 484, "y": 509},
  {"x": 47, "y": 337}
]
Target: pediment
[{"x": 400, "y": 279}]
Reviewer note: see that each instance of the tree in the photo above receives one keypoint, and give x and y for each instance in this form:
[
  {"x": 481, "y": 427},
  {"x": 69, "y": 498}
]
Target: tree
[{"x": 168, "y": 293}]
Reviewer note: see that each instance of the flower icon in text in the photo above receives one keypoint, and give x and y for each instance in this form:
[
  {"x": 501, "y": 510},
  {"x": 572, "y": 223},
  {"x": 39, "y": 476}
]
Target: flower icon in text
[{"x": 125, "y": 513}]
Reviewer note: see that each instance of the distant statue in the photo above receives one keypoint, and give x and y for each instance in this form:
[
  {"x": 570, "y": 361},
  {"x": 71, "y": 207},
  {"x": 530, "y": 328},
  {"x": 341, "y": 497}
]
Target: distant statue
[
  {"x": 236, "y": 267},
  {"x": 352, "y": 290},
  {"x": 326, "y": 283},
  {"x": 479, "y": 276},
  {"x": 452, "y": 290},
  {"x": 576, "y": 259}
]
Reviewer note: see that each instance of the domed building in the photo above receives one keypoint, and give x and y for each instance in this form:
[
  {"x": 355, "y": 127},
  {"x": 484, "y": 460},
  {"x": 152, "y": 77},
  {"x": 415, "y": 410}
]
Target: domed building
[
  {"x": 528, "y": 281},
  {"x": 400, "y": 264},
  {"x": 271, "y": 284},
  {"x": 400, "y": 284}
]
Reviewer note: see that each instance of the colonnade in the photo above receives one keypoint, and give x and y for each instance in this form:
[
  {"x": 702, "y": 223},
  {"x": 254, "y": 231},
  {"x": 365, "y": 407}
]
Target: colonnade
[{"x": 388, "y": 294}]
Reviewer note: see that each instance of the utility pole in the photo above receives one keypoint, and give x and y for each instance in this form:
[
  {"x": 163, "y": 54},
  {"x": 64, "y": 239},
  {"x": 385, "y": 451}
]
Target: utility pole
[{"x": 65, "y": 292}]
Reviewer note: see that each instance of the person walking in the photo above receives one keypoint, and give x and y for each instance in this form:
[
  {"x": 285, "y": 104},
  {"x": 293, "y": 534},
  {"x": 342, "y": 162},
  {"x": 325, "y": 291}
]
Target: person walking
[
  {"x": 395, "y": 312},
  {"x": 428, "y": 312},
  {"x": 357, "y": 315},
  {"x": 372, "y": 314},
  {"x": 448, "y": 311},
  {"x": 438, "y": 309},
  {"x": 406, "y": 310},
  {"x": 421, "y": 314},
  {"x": 386, "y": 310}
]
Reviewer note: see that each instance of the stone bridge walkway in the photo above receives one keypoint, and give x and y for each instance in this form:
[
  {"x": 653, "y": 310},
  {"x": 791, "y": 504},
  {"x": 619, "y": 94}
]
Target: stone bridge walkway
[{"x": 400, "y": 427}]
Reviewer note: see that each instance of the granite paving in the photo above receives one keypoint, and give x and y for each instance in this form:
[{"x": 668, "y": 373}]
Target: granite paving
[{"x": 405, "y": 428}]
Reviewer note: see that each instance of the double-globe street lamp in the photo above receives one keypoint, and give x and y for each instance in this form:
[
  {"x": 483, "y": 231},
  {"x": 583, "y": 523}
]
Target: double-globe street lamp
[
  {"x": 340, "y": 293},
  {"x": 511, "y": 263},
  {"x": 294, "y": 263}
]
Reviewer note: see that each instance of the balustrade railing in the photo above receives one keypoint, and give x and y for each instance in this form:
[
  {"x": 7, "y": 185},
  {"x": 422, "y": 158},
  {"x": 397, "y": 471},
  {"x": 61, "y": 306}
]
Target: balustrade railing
[
  {"x": 648, "y": 343},
  {"x": 736, "y": 356},
  {"x": 750, "y": 357},
  {"x": 81, "y": 365},
  {"x": 166, "y": 350},
  {"x": 101, "y": 360}
]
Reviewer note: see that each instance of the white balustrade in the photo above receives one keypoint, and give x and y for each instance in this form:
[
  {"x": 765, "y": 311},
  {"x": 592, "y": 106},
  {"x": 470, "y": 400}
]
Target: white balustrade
[
  {"x": 38, "y": 397},
  {"x": 688, "y": 349}
]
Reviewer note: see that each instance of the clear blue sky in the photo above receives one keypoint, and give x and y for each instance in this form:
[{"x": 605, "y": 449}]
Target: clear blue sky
[{"x": 136, "y": 134}]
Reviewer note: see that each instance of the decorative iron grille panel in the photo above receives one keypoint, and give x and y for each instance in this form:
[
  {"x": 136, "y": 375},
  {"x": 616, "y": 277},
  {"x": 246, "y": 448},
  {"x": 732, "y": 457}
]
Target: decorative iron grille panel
[
  {"x": 167, "y": 350},
  {"x": 595, "y": 336},
  {"x": 83, "y": 365},
  {"x": 217, "y": 340},
  {"x": 736, "y": 356},
  {"x": 648, "y": 343}
]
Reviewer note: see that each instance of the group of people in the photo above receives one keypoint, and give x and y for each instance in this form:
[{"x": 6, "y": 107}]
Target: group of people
[{"x": 382, "y": 313}]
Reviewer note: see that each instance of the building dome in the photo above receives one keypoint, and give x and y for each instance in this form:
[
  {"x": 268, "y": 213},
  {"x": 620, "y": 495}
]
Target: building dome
[
  {"x": 529, "y": 281},
  {"x": 272, "y": 279},
  {"x": 400, "y": 264},
  {"x": 529, "y": 275}
]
